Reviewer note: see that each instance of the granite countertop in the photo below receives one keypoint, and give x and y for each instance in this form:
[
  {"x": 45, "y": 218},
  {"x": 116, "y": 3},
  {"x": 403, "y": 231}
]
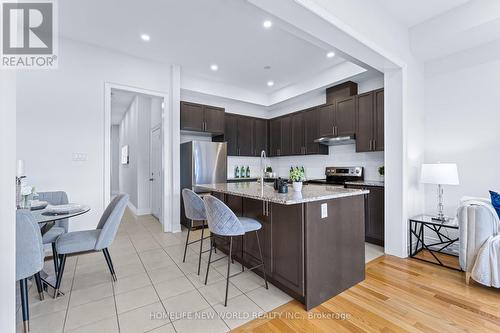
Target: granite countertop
[
  {"x": 377, "y": 183},
  {"x": 310, "y": 192}
]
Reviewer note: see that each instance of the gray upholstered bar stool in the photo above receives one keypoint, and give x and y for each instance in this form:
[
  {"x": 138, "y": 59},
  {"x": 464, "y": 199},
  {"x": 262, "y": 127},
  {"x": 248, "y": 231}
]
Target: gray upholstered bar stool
[
  {"x": 194, "y": 209},
  {"x": 60, "y": 227},
  {"x": 223, "y": 222},
  {"x": 92, "y": 240},
  {"x": 29, "y": 258}
]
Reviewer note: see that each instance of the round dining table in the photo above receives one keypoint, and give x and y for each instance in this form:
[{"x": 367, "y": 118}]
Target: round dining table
[{"x": 46, "y": 219}]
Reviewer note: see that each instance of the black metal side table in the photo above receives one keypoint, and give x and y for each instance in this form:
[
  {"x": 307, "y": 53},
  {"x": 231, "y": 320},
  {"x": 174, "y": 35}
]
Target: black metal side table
[{"x": 418, "y": 225}]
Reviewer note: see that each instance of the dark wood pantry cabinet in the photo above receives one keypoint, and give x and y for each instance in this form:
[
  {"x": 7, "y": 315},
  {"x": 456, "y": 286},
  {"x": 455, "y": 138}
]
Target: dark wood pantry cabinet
[{"x": 202, "y": 118}]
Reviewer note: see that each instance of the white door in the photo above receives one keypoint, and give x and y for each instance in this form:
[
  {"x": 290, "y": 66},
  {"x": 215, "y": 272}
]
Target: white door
[{"x": 156, "y": 175}]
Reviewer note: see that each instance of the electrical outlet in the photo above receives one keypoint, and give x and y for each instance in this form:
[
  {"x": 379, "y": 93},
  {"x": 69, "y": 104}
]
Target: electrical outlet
[{"x": 324, "y": 210}]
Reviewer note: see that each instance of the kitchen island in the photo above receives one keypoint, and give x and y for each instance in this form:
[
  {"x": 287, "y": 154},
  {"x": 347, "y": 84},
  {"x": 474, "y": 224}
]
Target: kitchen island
[{"x": 312, "y": 241}]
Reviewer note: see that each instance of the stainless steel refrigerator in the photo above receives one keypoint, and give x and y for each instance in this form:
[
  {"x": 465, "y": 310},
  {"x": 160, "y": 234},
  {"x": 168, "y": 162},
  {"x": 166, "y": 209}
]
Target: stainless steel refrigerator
[{"x": 202, "y": 162}]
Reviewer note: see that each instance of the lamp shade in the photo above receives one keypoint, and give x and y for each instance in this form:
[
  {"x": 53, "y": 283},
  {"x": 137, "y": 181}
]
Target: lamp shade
[{"x": 439, "y": 173}]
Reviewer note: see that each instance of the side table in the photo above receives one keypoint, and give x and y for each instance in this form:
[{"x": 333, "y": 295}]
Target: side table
[{"x": 418, "y": 226}]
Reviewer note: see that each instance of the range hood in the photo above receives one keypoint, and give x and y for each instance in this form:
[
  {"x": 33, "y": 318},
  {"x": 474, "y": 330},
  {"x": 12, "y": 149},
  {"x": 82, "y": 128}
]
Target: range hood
[{"x": 337, "y": 140}]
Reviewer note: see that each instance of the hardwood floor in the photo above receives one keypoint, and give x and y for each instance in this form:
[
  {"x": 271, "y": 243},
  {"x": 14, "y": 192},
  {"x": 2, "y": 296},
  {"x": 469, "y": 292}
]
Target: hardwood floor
[{"x": 398, "y": 295}]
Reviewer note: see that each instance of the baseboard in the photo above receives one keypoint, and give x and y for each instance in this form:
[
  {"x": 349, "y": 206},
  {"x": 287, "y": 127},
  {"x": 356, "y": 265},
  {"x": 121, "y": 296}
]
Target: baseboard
[
  {"x": 143, "y": 211},
  {"x": 138, "y": 211}
]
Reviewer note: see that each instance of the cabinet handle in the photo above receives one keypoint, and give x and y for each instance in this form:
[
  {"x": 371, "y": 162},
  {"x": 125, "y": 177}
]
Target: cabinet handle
[
  {"x": 264, "y": 208},
  {"x": 333, "y": 130}
]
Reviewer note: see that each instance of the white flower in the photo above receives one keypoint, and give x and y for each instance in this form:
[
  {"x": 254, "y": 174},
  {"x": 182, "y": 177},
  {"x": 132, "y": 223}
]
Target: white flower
[{"x": 26, "y": 190}]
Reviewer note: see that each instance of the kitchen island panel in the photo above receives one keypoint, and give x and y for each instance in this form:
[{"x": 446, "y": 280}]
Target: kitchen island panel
[{"x": 335, "y": 248}]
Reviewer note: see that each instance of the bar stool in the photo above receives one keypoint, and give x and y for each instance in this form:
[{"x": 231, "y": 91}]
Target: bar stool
[
  {"x": 223, "y": 222},
  {"x": 195, "y": 211}
]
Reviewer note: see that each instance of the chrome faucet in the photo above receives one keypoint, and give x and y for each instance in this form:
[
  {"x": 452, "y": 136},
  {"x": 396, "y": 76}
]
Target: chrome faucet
[{"x": 263, "y": 158}]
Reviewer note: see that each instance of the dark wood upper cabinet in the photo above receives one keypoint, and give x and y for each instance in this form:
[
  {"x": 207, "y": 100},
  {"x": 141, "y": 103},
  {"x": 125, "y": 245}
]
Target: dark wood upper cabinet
[
  {"x": 312, "y": 124},
  {"x": 342, "y": 90},
  {"x": 202, "y": 118},
  {"x": 275, "y": 137},
  {"x": 364, "y": 122},
  {"x": 298, "y": 134},
  {"x": 286, "y": 136},
  {"x": 231, "y": 134},
  {"x": 370, "y": 121},
  {"x": 260, "y": 136},
  {"x": 214, "y": 119},
  {"x": 345, "y": 116},
  {"x": 245, "y": 136},
  {"x": 326, "y": 114},
  {"x": 192, "y": 117},
  {"x": 379, "y": 120}
]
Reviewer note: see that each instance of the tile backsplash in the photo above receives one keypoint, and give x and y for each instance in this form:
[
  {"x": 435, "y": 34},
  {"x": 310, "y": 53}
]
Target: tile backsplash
[{"x": 314, "y": 165}]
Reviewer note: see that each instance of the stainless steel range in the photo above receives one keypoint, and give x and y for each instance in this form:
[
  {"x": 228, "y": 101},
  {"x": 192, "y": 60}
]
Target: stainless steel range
[{"x": 340, "y": 175}]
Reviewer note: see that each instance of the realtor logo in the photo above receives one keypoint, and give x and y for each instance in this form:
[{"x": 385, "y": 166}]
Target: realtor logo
[{"x": 29, "y": 38}]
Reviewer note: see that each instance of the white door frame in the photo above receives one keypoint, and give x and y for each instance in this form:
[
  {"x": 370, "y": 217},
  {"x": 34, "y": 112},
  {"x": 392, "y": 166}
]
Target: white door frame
[{"x": 167, "y": 159}]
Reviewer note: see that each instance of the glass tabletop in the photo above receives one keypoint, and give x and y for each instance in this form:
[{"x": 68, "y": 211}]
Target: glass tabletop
[
  {"x": 44, "y": 215},
  {"x": 429, "y": 219}
]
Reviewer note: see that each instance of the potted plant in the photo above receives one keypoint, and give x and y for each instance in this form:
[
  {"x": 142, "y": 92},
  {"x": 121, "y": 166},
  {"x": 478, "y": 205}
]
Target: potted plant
[
  {"x": 269, "y": 172},
  {"x": 297, "y": 177},
  {"x": 381, "y": 171}
]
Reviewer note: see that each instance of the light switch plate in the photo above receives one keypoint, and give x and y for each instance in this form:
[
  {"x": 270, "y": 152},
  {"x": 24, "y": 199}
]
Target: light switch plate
[{"x": 324, "y": 210}]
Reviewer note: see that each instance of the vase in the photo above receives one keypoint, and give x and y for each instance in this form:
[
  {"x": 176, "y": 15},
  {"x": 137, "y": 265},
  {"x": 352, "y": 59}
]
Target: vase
[
  {"x": 297, "y": 186},
  {"x": 25, "y": 202}
]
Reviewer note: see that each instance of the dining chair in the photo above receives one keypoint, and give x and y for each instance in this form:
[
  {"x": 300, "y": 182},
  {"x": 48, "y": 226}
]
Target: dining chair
[
  {"x": 98, "y": 239},
  {"x": 223, "y": 222},
  {"x": 60, "y": 227},
  {"x": 194, "y": 209},
  {"x": 29, "y": 258}
]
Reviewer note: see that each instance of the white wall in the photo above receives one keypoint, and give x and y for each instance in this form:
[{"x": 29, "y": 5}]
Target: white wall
[
  {"x": 135, "y": 131},
  {"x": 128, "y": 137},
  {"x": 115, "y": 159},
  {"x": 462, "y": 120},
  {"x": 64, "y": 110},
  {"x": 8, "y": 201}
]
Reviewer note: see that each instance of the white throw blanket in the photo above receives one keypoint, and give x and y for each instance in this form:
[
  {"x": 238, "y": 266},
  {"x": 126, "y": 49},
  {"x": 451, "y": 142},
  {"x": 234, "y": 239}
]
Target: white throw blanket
[{"x": 486, "y": 269}]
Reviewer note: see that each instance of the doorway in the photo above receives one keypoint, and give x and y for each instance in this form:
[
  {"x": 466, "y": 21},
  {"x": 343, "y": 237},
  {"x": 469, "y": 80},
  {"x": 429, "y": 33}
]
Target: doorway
[{"x": 135, "y": 148}]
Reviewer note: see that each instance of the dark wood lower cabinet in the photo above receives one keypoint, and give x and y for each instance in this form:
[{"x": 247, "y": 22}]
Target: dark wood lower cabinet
[{"x": 374, "y": 214}]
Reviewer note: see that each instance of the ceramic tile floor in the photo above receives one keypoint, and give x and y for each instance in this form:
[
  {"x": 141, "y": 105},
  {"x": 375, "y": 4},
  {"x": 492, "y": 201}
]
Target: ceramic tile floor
[{"x": 155, "y": 291}]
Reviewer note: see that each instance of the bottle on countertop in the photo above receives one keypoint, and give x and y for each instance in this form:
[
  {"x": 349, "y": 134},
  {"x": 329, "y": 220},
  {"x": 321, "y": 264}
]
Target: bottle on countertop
[
  {"x": 242, "y": 172},
  {"x": 236, "y": 172},
  {"x": 248, "y": 172}
]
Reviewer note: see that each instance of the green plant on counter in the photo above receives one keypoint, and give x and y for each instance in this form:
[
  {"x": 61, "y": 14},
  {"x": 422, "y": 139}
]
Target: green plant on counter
[
  {"x": 381, "y": 170},
  {"x": 269, "y": 169},
  {"x": 297, "y": 175}
]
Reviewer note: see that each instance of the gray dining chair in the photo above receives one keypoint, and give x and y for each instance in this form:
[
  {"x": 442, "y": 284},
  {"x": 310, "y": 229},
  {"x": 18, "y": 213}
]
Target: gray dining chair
[
  {"x": 92, "y": 240},
  {"x": 29, "y": 259},
  {"x": 60, "y": 227},
  {"x": 223, "y": 222},
  {"x": 194, "y": 208}
]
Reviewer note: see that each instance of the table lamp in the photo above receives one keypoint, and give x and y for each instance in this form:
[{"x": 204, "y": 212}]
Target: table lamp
[{"x": 440, "y": 174}]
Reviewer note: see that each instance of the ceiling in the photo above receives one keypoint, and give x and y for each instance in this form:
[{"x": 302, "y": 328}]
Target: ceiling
[
  {"x": 413, "y": 12},
  {"x": 120, "y": 101},
  {"x": 198, "y": 33}
]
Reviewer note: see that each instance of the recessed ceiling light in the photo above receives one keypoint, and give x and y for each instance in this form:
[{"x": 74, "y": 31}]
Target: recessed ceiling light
[
  {"x": 145, "y": 37},
  {"x": 214, "y": 67},
  {"x": 330, "y": 54},
  {"x": 267, "y": 24},
  {"x": 267, "y": 67},
  {"x": 270, "y": 83}
]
